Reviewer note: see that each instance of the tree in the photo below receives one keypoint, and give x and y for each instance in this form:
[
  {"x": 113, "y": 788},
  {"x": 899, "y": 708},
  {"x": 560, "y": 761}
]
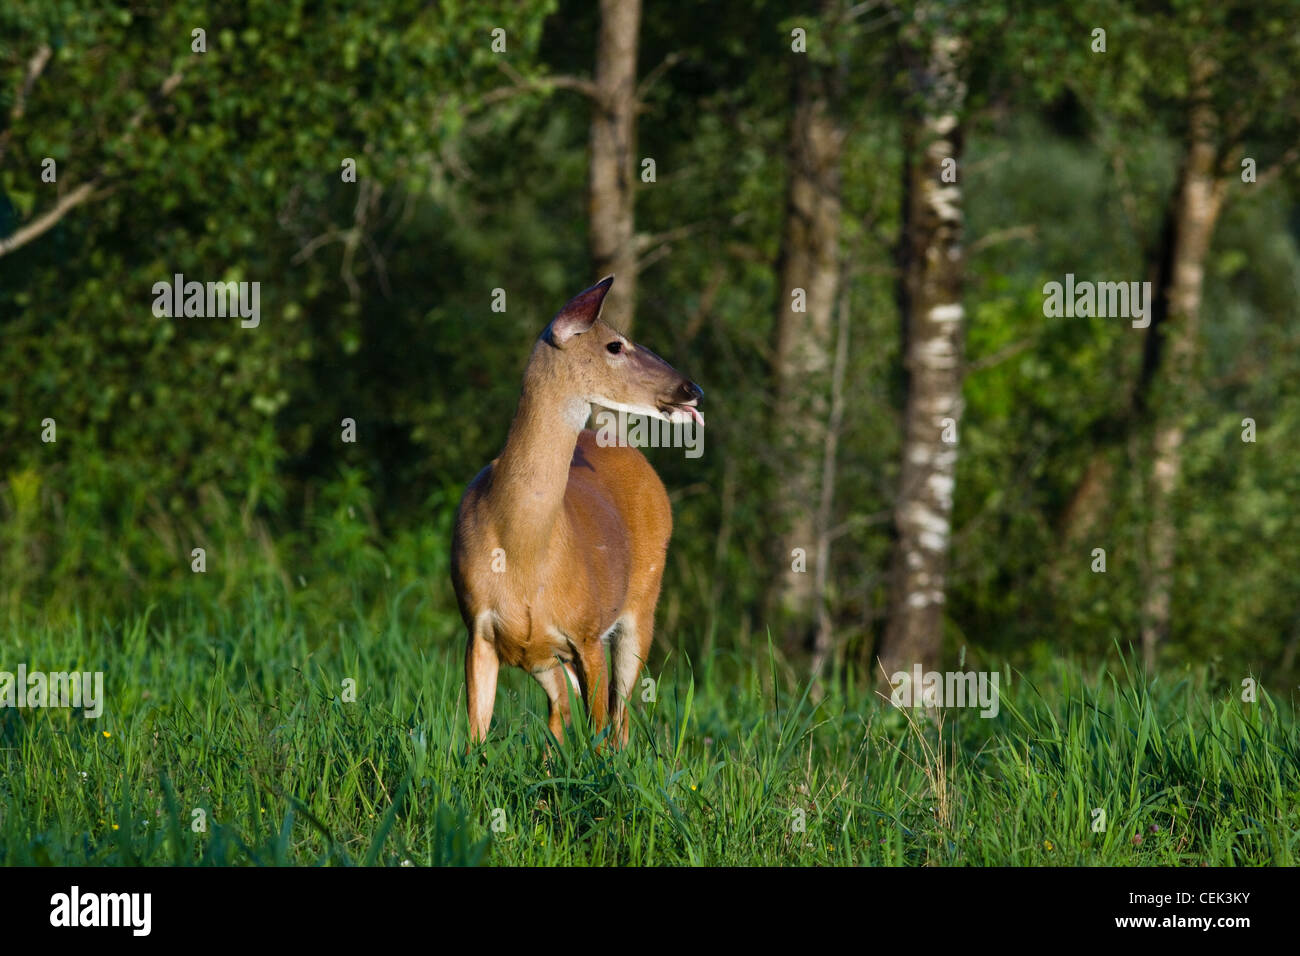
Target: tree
[
  {"x": 611, "y": 182},
  {"x": 808, "y": 272},
  {"x": 1215, "y": 110},
  {"x": 931, "y": 277},
  {"x": 185, "y": 141}
]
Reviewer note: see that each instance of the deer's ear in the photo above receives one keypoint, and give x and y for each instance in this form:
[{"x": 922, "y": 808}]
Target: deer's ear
[{"x": 579, "y": 313}]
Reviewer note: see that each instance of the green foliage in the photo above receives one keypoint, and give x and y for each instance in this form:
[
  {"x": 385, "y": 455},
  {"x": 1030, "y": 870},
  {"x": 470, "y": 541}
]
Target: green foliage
[
  {"x": 244, "y": 719},
  {"x": 234, "y": 175},
  {"x": 177, "y": 433}
]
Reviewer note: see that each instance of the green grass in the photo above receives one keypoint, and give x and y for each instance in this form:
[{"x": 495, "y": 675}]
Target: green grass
[{"x": 241, "y": 716}]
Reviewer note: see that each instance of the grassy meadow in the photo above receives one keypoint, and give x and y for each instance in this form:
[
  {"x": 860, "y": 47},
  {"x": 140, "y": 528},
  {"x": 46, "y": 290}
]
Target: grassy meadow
[{"x": 226, "y": 739}]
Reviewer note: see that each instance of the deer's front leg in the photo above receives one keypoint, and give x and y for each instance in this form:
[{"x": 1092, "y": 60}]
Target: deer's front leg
[{"x": 481, "y": 665}]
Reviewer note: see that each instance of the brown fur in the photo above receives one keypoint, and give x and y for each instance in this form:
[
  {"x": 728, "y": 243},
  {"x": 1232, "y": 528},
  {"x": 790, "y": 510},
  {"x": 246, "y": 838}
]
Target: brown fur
[{"x": 582, "y": 529}]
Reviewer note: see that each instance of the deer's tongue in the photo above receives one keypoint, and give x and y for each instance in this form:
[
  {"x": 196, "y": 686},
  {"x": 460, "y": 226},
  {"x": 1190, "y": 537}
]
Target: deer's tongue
[{"x": 695, "y": 413}]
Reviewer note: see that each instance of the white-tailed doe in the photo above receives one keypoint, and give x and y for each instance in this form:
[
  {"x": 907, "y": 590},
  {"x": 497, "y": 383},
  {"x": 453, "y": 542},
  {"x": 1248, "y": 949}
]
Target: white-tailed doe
[{"x": 560, "y": 543}]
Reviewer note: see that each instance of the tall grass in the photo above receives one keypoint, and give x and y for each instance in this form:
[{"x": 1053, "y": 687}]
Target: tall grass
[{"x": 241, "y": 716}]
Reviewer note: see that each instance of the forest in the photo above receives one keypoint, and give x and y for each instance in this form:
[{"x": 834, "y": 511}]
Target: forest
[{"x": 992, "y": 304}]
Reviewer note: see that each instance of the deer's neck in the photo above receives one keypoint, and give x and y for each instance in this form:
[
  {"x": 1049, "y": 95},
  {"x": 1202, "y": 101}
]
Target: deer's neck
[{"x": 532, "y": 471}]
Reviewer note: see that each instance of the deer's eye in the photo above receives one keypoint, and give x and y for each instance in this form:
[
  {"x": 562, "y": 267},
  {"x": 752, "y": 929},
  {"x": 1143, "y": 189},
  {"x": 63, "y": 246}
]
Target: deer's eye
[{"x": 614, "y": 347}]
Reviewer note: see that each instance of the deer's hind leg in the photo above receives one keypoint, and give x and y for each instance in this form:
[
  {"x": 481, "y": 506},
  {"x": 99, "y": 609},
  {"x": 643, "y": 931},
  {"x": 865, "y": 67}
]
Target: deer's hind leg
[
  {"x": 557, "y": 681},
  {"x": 629, "y": 650},
  {"x": 630, "y": 644},
  {"x": 594, "y": 680}
]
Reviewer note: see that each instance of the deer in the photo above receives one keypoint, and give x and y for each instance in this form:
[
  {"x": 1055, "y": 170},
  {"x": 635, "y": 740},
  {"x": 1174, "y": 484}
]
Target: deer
[{"x": 560, "y": 543}]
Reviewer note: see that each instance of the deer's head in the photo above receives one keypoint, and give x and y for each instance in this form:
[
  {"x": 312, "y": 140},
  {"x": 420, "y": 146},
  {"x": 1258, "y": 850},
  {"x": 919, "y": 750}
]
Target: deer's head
[{"x": 596, "y": 365}]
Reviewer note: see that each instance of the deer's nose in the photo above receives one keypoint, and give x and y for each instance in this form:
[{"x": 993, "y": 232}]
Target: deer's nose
[{"x": 691, "y": 392}]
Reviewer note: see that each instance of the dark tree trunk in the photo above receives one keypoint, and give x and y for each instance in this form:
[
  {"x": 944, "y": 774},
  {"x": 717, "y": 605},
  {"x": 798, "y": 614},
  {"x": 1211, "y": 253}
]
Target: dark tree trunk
[
  {"x": 612, "y": 158},
  {"x": 808, "y": 270},
  {"x": 1198, "y": 202}
]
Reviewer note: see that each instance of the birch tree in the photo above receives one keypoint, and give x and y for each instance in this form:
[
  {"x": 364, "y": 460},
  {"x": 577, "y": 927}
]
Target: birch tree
[{"x": 931, "y": 276}]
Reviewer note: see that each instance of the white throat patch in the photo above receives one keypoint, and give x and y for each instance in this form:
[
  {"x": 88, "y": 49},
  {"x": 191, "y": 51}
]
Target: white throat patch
[{"x": 576, "y": 413}]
